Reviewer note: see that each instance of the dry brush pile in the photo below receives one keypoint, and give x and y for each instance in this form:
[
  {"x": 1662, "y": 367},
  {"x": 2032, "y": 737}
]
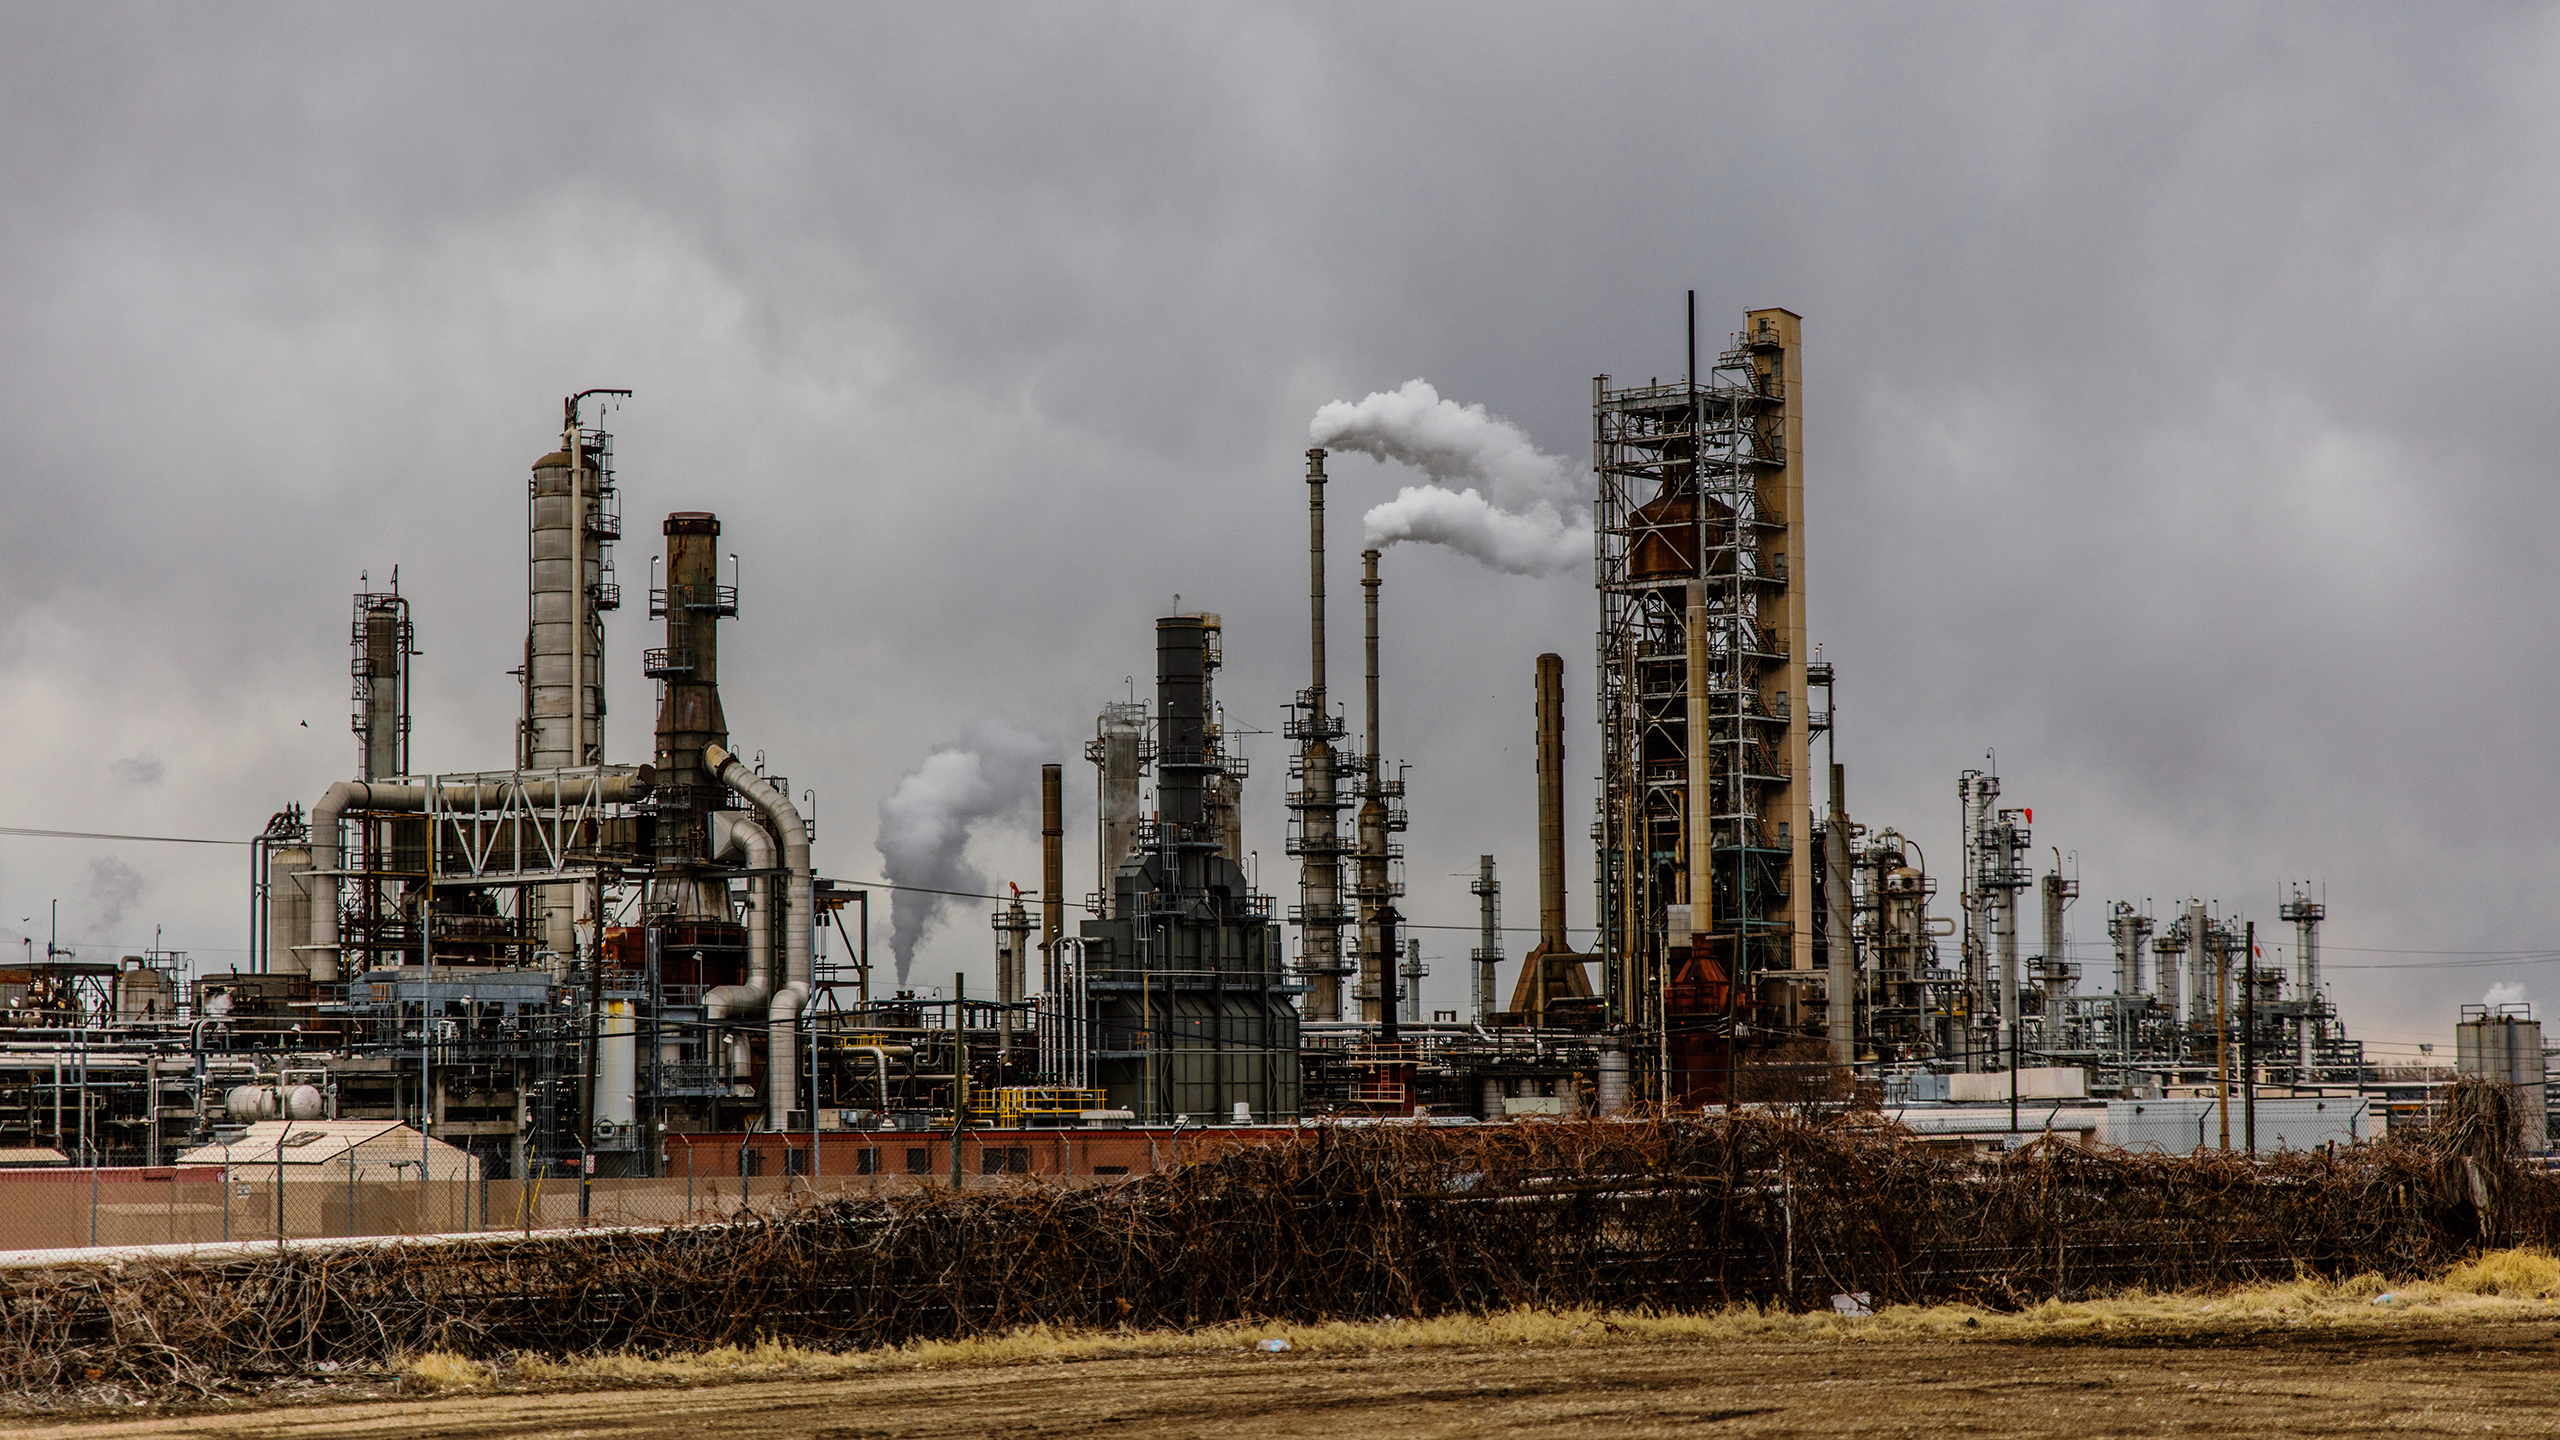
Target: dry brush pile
[{"x": 1673, "y": 1214}]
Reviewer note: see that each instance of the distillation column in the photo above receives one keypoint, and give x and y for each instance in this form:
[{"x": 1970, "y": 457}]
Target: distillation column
[{"x": 2306, "y": 915}]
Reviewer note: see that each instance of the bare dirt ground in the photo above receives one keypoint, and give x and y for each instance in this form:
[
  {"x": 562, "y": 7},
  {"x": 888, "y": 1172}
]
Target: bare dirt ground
[{"x": 2420, "y": 1377}]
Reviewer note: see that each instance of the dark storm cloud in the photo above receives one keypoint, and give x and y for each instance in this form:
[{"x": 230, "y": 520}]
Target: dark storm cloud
[{"x": 2177, "y": 395}]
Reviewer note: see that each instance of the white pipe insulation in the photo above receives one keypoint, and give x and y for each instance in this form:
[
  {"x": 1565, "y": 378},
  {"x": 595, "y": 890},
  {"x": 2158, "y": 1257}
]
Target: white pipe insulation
[
  {"x": 799, "y": 914},
  {"x": 735, "y": 834},
  {"x": 618, "y": 786}
]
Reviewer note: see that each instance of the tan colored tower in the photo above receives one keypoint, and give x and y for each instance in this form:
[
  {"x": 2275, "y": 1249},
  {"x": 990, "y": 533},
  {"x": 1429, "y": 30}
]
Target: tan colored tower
[{"x": 1772, "y": 338}]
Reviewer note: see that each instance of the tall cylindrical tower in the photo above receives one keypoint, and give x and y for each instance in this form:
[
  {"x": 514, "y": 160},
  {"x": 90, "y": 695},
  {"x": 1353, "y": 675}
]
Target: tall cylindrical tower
[
  {"x": 570, "y": 525},
  {"x": 1316, "y": 802}
]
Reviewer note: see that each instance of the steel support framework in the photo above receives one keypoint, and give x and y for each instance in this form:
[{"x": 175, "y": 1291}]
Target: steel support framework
[{"x": 1697, "y": 499}]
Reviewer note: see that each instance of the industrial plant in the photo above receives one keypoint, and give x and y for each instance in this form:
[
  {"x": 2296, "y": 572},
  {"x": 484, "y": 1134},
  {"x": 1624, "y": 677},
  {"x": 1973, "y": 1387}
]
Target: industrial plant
[{"x": 590, "y": 958}]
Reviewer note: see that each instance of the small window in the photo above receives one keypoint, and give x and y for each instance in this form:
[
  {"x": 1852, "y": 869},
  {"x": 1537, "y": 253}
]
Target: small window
[
  {"x": 795, "y": 1162},
  {"x": 1017, "y": 1159},
  {"x": 991, "y": 1160},
  {"x": 750, "y": 1162},
  {"x": 866, "y": 1162},
  {"x": 919, "y": 1161}
]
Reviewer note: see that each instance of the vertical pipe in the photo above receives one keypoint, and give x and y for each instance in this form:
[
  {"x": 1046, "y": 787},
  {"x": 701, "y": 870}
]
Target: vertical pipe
[
  {"x": 1842, "y": 1009},
  {"x": 1053, "y": 870},
  {"x": 1489, "y": 941},
  {"x": 1701, "y": 793},
  {"x": 959, "y": 1070}
]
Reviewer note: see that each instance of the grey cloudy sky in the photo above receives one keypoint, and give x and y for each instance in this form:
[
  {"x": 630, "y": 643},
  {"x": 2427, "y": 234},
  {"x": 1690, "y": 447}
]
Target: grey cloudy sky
[{"x": 2178, "y": 391}]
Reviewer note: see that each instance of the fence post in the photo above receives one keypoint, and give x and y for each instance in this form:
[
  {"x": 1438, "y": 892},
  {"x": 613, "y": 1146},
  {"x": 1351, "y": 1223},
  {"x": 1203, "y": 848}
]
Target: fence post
[{"x": 351, "y": 1190}]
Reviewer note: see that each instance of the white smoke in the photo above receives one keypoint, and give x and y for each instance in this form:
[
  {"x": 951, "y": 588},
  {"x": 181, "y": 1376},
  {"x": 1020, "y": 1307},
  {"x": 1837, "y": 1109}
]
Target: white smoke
[
  {"x": 1494, "y": 494},
  {"x": 2505, "y": 992},
  {"x": 1535, "y": 541},
  {"x": 925, "y": 823},
  {"x": 114, "y": 889}
]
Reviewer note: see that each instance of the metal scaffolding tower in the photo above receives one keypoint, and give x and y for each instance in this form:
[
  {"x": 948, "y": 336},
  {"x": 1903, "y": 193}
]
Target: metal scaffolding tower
[{"x": 1705, "y": 823}]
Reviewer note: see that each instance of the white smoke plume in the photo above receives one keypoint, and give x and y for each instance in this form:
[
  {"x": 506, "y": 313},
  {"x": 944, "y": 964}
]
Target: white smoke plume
[
  {"x": 2505, "y": 992},
  {"x": 114, "y": 889},
  {"x": 1494, "y": 494},
  {"x": 993, "y": 771}
]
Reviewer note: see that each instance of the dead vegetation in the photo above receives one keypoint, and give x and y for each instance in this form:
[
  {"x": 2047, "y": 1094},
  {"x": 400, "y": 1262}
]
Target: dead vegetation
[{"x": 1674, "y": 1221}]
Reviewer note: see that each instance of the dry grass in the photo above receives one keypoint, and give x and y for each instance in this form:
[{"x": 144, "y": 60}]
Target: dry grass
[{"x": 2503, "y": 1285}]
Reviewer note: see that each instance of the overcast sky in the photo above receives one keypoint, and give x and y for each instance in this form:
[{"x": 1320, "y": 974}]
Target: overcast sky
[{"x": 2178, "y": 386}]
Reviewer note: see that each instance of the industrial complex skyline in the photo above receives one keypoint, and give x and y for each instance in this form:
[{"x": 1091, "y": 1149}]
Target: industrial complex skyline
[{"x": 2174, "y": 413}]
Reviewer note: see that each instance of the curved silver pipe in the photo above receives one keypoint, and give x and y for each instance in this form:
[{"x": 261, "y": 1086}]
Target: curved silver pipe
[
  {"x": 782, "y": 1027},
  {"x": 733, "y": 834}
]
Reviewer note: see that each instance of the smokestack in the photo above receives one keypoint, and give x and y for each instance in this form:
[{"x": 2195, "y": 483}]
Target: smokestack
[
  {"x": 1053, "y": 870},
  {"x": 1551, "y": 921},
  {"x": 1377, "y": 933},
  {"x": 1369, "y": 591},
  {"x": 1318, "y": 802}
]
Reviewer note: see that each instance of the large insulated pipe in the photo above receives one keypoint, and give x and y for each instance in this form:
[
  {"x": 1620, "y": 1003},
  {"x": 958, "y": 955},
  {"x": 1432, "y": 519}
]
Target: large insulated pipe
[
  {"x": 782, "y": 1029},
  {"x": 1053, "y": 870},
  {"x": 613, "y": 787},
  {"x": 735, "y": 834},
  {"x": 1551, "y": 919}
]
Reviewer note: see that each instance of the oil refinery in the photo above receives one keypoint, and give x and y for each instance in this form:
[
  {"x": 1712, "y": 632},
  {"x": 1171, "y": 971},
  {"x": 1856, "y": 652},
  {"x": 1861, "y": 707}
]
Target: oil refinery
[{"x": 584, "y": 960}]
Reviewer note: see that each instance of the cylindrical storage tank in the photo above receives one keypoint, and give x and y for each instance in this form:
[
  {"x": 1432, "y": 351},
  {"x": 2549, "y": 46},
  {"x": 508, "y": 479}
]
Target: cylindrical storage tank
[
  {"x": 250, "y": 1103},
  {"x": 1613, "y": 1080},
  {"x": 288, "y": 910},
  {"x": 1494, "y": 1108},
  {"x": 617, "y": 1066}
]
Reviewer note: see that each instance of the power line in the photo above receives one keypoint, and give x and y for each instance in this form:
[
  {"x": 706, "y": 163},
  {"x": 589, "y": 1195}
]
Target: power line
[{"x": 92, "y": 835}]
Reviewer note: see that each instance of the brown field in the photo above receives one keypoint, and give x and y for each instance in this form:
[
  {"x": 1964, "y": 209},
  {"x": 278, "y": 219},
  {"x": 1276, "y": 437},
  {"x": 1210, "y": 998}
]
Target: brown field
[{"x": 2472, "y": 1354}]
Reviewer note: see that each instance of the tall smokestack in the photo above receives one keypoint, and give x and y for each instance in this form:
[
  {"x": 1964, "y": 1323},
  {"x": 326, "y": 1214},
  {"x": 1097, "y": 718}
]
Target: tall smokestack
[
  {"x": 1551, "y": 922},
  {"x": 1053, "y": 870},
  {"x": 1318, "y": 801},
  {"x": 1377, "y": 961}
]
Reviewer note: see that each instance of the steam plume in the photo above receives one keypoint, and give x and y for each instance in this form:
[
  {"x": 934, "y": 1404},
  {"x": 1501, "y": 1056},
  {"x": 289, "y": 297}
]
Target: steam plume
[
  {"x": 925, "y": 823},
  {"x": 1494, "y": 494},
  {"x": 114, "y": 889}
]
